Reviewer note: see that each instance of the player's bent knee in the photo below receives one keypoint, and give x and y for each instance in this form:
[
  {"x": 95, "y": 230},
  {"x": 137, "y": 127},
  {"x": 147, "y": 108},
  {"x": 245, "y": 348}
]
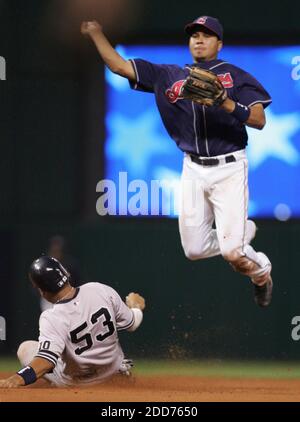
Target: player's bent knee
[
  {"x": 27, "y": 351},
  {"x": 194, "y": 254},
  {"x": 231, "y": 255},
  {"x": 21, "y": 349},
  {"x": 191, "y": 256}
]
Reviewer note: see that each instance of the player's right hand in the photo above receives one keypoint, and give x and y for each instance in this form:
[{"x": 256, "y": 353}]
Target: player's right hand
[
  {"x": 134, "y": 300},
  {"x": 90, "y": 27}
]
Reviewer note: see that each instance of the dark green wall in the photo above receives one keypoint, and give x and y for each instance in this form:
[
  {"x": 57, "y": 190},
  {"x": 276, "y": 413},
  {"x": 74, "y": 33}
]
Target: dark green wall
[
  {"x": 257, "y": 19},
  {"x": 199, "y": 309}
]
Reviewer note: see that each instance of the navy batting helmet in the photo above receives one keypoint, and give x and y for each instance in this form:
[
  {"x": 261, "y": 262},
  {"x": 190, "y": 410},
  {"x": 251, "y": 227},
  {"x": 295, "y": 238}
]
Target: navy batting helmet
[{"x": 48, "y": 274}]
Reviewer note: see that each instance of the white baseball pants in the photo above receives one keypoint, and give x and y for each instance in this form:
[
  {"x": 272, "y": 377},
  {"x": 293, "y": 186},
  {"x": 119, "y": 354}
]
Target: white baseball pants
[{"x": 217, "y": 194}]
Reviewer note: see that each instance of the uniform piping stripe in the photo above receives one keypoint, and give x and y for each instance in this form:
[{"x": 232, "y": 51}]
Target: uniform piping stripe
[
  {"x": 128, "y": 325},
  {"x": 195, "y": 129},
  {"x": 46, "y": 355},
  {"x": 216, "y": 65},
  {"x": 47, "y": 358},
  {"x": 205, "y": 131},
  {"x": 245, "y": 217},
  {"x": 245, "y": 209},
  {"x": 48, "y": 352},
  {"x": 259, "y": 101},
  {"x": 136, "y": 74}
]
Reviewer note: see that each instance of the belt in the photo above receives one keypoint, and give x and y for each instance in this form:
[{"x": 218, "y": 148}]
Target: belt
[{"x": 213, "y": 161}]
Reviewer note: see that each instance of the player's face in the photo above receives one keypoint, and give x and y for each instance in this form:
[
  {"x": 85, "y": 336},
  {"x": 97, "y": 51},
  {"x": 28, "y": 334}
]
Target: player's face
[{"x": 204, "y": 46}]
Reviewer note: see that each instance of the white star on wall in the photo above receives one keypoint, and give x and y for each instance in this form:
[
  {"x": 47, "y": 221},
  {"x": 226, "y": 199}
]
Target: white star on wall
[
  {"x": 274, "y": 141},
  {"x": 135, "y": 141}
]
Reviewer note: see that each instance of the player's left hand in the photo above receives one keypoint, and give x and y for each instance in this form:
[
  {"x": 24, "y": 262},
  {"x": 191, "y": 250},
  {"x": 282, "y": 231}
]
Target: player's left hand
[{"x": 12, "y": 382}]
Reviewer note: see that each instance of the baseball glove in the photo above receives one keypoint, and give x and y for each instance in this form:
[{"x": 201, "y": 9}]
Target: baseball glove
[
  {"x": 134, "y": 300},
  {"x": 204, "y": 87}
]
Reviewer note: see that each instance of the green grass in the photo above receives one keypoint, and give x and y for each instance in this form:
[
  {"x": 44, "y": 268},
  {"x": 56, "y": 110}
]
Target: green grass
[
  {"x": 9, "y": 364},
  {"x": 205, "y": 368},
  {"x": 219, "y": 369}
]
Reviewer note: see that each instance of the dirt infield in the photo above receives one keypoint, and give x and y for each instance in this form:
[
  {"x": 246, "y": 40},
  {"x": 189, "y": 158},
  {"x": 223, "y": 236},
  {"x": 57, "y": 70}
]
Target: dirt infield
[{"x": 163, "y": 389}]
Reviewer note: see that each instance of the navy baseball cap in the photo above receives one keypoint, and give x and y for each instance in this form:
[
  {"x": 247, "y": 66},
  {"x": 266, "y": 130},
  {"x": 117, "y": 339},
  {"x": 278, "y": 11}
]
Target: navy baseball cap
[{"x": 207, "y": 22}]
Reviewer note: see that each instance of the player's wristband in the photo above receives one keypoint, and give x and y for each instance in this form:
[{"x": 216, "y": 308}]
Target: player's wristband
[
  {"x": 241, "y": 112},
  {"x": 28, "y": 374}
]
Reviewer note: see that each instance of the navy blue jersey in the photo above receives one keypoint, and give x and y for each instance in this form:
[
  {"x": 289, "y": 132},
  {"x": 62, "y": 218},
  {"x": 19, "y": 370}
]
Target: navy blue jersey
[{"x": 196, "y": 129}]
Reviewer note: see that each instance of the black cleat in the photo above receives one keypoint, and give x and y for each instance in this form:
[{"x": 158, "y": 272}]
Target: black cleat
[{"x": 263, "y": 294}]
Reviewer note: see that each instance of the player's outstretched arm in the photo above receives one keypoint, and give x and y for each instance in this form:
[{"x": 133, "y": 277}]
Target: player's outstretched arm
[
  {"x": 256, "y": 119},
  {"x": 111, "y": 58},
  {"x": 28, "y": 375}
]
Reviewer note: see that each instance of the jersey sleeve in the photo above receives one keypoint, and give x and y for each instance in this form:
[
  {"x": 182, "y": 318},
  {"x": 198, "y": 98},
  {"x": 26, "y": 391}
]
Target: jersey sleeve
[
  {"x": 51, "y": 343},
  {"x": 251, "y": 92},
  {"x": 124, "y": 315},
  {"x": 147, "y": 75}
]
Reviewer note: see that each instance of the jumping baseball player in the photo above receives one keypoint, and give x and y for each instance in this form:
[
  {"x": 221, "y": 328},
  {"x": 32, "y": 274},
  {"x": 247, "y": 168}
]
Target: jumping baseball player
[
  {"x": 78, "y": 342},
  {"x": 205, "y": 107}
]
